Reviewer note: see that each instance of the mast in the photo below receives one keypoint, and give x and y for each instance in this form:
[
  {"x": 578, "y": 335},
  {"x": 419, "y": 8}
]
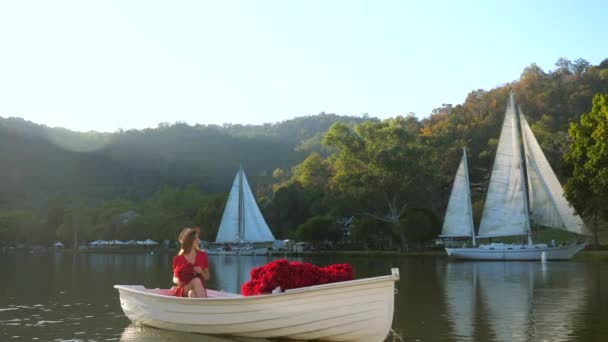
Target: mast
[
  {"x": 522, "y": 162},
  {"x": 468, "y": 190},
  {"x": 241, "y": 222}
]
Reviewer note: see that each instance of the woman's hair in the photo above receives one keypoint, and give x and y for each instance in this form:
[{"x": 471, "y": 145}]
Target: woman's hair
[{"x": 186, "y": 239}]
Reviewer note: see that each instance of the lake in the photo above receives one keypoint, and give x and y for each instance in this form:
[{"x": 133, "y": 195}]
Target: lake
[{"x": 58, "y": 297}]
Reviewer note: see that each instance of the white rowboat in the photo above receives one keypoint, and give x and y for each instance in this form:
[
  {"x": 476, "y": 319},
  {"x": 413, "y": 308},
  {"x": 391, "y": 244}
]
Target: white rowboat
[{"x": 356, "y": 310}]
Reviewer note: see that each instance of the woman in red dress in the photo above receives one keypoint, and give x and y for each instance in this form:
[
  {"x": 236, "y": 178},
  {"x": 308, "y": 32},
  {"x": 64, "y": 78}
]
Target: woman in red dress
[{"x": 190, "y": 266}]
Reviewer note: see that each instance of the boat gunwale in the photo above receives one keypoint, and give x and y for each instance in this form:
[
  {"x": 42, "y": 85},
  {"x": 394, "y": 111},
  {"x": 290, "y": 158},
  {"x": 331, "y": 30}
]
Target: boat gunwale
[{"x": 141, "y": 290}]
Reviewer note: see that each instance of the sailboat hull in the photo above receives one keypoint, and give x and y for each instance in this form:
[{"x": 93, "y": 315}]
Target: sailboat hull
[
  {"x": 236, "y": 251},
  {"x": 515, "y": 252}
]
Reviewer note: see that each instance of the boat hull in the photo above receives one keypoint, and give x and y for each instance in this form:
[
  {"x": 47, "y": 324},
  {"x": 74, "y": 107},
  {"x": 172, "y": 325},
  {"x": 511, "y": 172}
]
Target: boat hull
[
  {"x": 251, "y": 251},
  {"x": 358, "y": 310},
  {"x": 516, "y": 252}
]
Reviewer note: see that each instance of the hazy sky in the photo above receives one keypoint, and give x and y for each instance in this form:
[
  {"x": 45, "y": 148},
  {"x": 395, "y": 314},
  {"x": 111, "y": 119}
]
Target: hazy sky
[{"x": 103, "y": 65}]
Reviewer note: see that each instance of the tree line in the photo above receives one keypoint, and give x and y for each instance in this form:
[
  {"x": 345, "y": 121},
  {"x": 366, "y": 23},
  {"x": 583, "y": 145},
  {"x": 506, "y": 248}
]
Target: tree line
[{"x": 363, "y": 181}]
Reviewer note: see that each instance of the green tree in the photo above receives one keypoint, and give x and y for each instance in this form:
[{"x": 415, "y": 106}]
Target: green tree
[
  {"x": 209, "y": 215},
  {"x": 168, "y": 211},
  {"x": 587, "y": 189},
  {"x": 16, "y": 225},
  {"x": 419, "y": 225},
  {"x": 383, "y": 165},
  {"x": 78, "y": 225},
  {"x": 54, "y": 219},
  {"x": 580, "y": 65},
  {"x": 312, "y": 172},
  {"x": 292, "y": 205},
  {"x": 318, "y": 229},
  {"x": 111, "y": 220},
  {"x": 370, "y": 232}
]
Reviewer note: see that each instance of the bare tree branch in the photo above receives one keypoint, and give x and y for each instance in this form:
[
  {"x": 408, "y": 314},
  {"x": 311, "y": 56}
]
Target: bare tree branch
[
  {"x": 402, "y": 209},
  {"x": 385, "y": 219}
]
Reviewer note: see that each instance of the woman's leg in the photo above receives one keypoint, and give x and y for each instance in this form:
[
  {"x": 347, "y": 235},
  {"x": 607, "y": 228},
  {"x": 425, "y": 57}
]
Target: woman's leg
[
  {"x": 195, "y": 289},
  {"x": 189, "y": 291}
]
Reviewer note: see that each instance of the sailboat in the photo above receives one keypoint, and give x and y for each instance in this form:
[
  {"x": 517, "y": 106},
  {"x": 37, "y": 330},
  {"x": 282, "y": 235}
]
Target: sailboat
[
  {"x": 242, "y": 223},
  {"x": 523, "y": 191}
]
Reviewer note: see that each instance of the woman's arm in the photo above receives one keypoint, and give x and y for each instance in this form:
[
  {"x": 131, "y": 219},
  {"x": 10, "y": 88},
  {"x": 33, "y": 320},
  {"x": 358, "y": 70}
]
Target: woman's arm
[
  {"x": 202, "y": 265},
  {"x": 205, "y": 266},
  {"x": 206, "y": 274}
]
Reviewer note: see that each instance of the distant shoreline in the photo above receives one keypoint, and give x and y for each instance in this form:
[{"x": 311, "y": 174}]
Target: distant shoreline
[{"x": 586, "y": 255}]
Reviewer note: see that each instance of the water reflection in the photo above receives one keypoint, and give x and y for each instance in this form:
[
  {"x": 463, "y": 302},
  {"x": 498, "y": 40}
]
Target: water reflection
[
  {"x": 57, "y": 296},
  {"x": 141, "y": 333},
  {"x": 460, "y": 289},
  {"x": 514, "y": 301}
]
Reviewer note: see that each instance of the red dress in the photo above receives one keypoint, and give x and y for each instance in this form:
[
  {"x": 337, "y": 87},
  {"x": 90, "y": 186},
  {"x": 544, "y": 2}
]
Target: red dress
[{"x": 183, "y": 270}]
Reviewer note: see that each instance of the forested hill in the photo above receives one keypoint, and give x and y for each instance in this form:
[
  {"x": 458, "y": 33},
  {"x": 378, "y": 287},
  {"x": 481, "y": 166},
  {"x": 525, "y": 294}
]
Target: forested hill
[
  {"x": 40, "y": 163},
  {"x": 392, "y": 176}
]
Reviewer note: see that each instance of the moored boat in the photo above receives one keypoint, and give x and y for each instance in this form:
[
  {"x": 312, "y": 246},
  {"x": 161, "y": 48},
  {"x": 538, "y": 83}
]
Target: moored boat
[
  {"x": 247, "y": 250},
  {"x": 523, "y": 191},
  {"x": 356, "y": 310},
  {"x": 242, "y": 221},
  {"x": 500, "y": 251}
]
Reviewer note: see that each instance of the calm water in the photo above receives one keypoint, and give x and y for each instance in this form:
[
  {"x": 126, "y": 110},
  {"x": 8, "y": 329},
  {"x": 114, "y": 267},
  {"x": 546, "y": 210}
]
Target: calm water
[{"x": 58, "y": 297}]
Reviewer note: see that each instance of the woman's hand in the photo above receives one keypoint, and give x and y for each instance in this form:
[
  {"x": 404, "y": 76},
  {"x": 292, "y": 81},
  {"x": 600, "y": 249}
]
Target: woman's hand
[
  {"x": 206, "y": 274},
  {"x": 203, "y": 272},
  {"x": 198, "y": 270},
  {"x": 177, "y": 282}
]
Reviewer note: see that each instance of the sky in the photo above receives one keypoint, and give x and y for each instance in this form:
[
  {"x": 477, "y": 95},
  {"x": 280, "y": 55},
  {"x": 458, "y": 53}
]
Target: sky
[{"x": 108, "y": 65}]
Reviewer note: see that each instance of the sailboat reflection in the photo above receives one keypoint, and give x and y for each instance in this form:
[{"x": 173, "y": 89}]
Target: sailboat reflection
[
  {"x": 460, "y": 297},
  {"x": 142, "y": 333},
  {"x": 514, "y": 301}
]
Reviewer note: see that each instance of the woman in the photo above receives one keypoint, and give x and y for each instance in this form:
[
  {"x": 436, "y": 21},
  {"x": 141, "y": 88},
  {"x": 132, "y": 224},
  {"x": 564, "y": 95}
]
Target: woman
[{"x": 190, "y": 266}]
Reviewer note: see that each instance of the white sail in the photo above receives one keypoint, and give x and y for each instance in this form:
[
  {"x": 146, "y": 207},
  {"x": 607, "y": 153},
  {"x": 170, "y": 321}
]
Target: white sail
[
  {"x": 229, "y": 226},
  {"x": 548, "y": 207},
  {"x": 458, "y": 221},
  {"x": 505, "y": 211},
  {"x": 242, "y": 220},
  {"x": 255, "y": 227}
]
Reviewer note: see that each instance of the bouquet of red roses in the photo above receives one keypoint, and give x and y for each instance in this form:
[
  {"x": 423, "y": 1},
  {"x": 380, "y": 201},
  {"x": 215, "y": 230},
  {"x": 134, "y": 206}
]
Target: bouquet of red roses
[{"x": 281, "y": 273}]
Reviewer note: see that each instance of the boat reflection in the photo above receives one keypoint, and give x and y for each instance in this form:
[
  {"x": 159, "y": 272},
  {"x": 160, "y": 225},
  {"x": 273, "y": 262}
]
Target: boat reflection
[
  {"x": 514, "y": 301},
  {"x": 460, "y": 297},
  {"x": 141, "y": 333}
]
